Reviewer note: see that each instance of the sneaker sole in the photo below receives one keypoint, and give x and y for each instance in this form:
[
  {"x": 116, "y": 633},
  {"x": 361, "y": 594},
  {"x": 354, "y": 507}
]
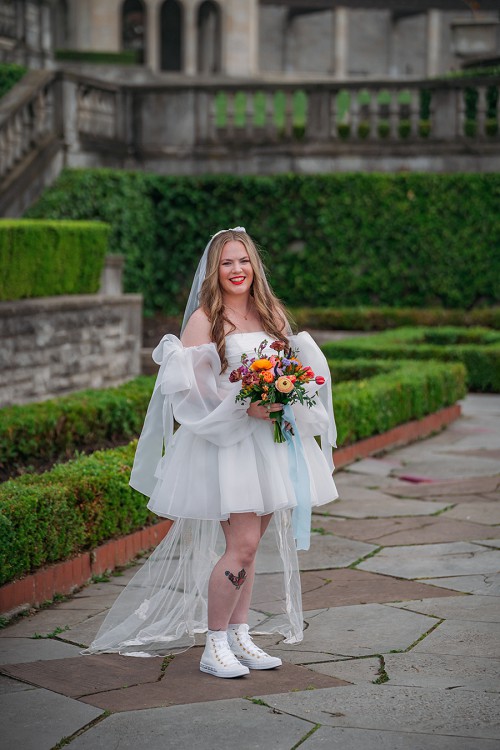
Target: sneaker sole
[
  {"x": 215, "y": 673},
  {"x": 257, "y": 665}
]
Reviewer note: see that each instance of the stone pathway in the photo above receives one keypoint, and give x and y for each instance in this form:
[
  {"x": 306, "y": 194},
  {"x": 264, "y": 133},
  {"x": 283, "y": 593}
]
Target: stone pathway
[{"x": 401, "y": 593}]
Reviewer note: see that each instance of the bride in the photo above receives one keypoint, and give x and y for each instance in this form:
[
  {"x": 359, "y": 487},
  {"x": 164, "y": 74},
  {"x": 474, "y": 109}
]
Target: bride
[{"x": 223, "y": 480}]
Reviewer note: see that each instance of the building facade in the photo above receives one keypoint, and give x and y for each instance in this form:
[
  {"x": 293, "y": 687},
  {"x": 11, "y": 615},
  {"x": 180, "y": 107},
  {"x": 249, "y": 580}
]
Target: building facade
[{"x": 248, "y": 38}]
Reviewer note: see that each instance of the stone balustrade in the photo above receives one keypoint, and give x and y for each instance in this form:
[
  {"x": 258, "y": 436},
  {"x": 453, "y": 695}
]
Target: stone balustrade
[{"x": 183, "y": 127}]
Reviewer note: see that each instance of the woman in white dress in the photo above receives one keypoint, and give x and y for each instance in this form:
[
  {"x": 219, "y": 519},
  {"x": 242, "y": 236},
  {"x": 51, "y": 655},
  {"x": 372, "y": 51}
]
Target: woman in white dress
[{"x": 222, "y": 471}]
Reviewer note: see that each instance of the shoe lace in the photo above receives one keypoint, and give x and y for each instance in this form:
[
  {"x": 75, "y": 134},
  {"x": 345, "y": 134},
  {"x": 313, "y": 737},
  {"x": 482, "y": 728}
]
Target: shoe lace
[
  {"x": 245, "y": 641},
  {"x": 223, "y": 651}
]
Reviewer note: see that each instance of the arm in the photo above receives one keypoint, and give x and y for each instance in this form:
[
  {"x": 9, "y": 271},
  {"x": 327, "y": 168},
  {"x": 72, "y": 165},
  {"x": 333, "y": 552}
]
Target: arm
[{"x": 197, "y": 331}]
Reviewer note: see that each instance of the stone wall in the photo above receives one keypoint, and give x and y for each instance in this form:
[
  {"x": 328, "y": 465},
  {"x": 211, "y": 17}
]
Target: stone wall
[{"x": 55, "y": 345}]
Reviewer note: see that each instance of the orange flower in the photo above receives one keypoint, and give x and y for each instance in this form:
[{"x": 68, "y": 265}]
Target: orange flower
[
  {"x": 284, "y": 384},
  {"x": 267, "y": 376},
  {"x": 261, "y": 364}
]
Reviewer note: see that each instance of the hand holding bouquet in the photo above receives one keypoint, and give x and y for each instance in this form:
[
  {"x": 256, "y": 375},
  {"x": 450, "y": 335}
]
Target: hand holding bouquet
[{"x": 278, "y": 379}]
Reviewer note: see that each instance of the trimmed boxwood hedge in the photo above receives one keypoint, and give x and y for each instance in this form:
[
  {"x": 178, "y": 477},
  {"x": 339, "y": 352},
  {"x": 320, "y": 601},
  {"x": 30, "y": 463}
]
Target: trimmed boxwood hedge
[
  {"x": 53, "y": 430},
  {"x": 477, "y": 348},
  {"x": 383, "y": 318},
  {"x": 46, "y": 258},
  {"x": 78, "y": 505},
  {"x": 412, "y": 240}
]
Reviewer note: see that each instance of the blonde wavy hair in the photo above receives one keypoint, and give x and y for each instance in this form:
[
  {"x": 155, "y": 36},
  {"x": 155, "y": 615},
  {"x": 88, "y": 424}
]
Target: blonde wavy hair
[{"x": 272, "y": 313}]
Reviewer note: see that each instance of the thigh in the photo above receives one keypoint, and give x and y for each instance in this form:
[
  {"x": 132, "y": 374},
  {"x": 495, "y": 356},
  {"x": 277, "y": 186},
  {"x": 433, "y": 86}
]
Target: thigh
[{"x": 244, "y": 528}]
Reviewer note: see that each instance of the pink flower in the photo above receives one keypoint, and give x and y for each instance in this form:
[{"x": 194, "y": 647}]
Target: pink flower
[{"x": 235, "y": 376}]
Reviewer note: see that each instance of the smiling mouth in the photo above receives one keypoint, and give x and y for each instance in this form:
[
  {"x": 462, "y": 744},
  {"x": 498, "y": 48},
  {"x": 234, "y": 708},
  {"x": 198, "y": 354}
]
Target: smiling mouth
[{"x": 237, "y": 280}]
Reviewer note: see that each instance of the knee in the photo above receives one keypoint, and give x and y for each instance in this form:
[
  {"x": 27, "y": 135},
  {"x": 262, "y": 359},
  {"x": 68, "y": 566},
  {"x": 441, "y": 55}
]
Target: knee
[{"x": 247, "y": 551}]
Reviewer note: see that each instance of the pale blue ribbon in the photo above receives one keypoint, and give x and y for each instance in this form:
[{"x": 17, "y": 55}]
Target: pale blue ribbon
[{"x": 299, "y": 475}]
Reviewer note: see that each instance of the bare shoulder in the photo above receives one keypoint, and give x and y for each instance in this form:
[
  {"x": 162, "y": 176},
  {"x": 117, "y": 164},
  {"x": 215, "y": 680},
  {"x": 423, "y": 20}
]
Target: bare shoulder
[{"x": 197, "y": 330}]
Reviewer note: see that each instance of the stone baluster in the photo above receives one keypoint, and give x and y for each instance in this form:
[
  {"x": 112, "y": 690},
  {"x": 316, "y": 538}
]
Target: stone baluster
[
  {"x": 249, "y": 114},
  {"x": 212, "y": 130},
  {"x": 460, "y": 113},
  {"x": 374, "y": 114},
  {"x": 481, "y": 111},
  {"x": 354, "y": 112},
  {"x": 270, "y": 124},
  {"x": 393, "y": 113},
  {"x": 230, "y": 114},
  {"x": 333, "y": 133},
  {"x": 414, "y": 112},
  {"x": 288, "y": 114}
]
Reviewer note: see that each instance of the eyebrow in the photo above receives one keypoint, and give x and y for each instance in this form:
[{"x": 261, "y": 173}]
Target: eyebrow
[{"x": 245, "y": 257}]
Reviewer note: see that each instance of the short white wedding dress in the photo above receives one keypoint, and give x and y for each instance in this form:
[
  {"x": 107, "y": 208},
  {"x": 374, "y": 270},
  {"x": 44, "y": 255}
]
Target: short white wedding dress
[{"x": 219, "y": 461}]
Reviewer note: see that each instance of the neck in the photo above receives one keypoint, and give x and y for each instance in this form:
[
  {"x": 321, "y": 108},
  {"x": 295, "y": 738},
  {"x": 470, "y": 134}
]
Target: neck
[{"x": 240, "y": 305}]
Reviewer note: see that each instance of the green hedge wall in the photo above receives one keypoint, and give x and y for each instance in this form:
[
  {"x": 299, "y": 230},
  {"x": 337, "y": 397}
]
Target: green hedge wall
[
  {"x": 46, "y": 258},
  {"x": 78, "y": 505},
  {"x": 53, "y": 430},
  {"x": 383, "y": 318},
  {"x": 10, "y": 74},
  {"x": 477, "y": 348},
  {"x": 414, "y": 240}
]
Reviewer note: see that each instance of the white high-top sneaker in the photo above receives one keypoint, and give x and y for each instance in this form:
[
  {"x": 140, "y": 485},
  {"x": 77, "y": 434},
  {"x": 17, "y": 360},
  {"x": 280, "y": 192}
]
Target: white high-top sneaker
[
  {"x": 218, "y": 659},
  {"x": 247, "y": 652}
]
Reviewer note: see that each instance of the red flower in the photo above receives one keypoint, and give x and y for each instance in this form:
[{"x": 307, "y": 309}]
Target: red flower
[{"x": 319, "y": 380}]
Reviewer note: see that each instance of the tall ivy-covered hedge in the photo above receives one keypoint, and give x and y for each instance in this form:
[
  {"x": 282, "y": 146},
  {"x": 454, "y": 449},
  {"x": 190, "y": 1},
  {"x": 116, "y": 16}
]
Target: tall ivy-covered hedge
[
  {"x": 10, "y": 74},
  {"x": 47, "y": 258},
  {"x": 413, "y": 240}
]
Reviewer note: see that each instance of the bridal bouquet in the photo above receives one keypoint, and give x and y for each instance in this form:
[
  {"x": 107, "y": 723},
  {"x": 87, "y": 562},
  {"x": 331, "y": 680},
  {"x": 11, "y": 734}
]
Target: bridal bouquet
[{"x": 275, "y": 379}]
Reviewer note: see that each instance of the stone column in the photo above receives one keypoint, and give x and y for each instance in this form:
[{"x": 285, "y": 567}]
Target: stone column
[
  {"x": 433, "y": 41},
  {"x": 153, "y": 31},
  {"x": 190, "y": 40},
  {"x": 341, "y": 41},
  {"x": 240, "y": 38}
]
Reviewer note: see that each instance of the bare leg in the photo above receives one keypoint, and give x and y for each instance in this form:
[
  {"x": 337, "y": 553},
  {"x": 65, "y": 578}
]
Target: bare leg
[
  {"x": 240, "y": 612},
  {"x": 235, "y": 569}
]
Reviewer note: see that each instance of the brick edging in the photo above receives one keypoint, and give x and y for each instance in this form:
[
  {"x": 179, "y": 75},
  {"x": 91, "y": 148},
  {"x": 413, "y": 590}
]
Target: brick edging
[{"x": 66, "y": 576}]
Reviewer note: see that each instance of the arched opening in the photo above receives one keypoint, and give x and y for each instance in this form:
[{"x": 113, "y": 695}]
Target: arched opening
[
  {"x": 171, "y": 35},
  {"x": 133, "y": 27},
  {"x": 209, "y": 37}
]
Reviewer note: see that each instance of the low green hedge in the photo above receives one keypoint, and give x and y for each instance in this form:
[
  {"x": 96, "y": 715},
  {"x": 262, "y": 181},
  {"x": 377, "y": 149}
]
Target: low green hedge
[
  {"x": 10, "y": 74},
  {"x": 382, "y": 318},
  {"x": 75, "y": 506},
  {"x": 477, "y": 348},
  {"x": 78, "y": 505},
  {"x": 98, "y": 57},
  {"x": 46, "y": 258},
  {"x": 53, "y": 430}
]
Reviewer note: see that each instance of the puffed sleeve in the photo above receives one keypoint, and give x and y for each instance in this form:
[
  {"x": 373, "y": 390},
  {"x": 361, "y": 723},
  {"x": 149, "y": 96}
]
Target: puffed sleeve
[
  {"x": 319, "y": 419},
  {"x": 187, "y": 388}
]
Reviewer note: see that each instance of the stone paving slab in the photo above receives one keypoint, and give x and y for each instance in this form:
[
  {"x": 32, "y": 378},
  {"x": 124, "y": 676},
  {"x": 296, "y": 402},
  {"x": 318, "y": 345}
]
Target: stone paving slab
[
  {"x": 17, "y": 650},
  {"x": 475, "y": 486},
  {"x": 184, "y": 683},
  {"x": 7, "y": 685},
  {"x": 329, "y": 738},
  {"x": 39, "y": 719},
  {"x": 388, "y": 508},
  {"x": 463, "y": 637},
  {"x": 478, "y": 584},
  {"x": 475, "y": 608},
  {"x": 45, "y": 622},
  {"x": 495, "y": 543},
  {"x": 397, "y": 531},
  {"x": 332, "y": 552},
  {"x": 480, "y": 512},
  {"x": 400, "y": 709},
  {"x": 222, "y": 724},
  {"x": 380, "y": 467},
  {"x": 99, "y": 589},
  {"x": 422, "y": 561},
  {"x": 84, "y": 633},
  {"x": 88, "y": 674},
  {"x": 443, "y": 465},
  {"x": 355, "y": 671},
  {"x": 362, "y": 630},
  {"x": 441, "y": 671}
]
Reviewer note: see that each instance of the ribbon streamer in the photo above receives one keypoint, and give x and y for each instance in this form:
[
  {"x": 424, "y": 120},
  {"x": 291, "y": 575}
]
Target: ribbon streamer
[{"x": 299, "y": 475}]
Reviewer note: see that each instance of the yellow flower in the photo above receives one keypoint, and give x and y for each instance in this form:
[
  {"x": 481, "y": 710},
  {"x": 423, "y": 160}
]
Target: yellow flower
[
  {"x": 284, "y": 384},
  {"x": 261, "y": 364}
]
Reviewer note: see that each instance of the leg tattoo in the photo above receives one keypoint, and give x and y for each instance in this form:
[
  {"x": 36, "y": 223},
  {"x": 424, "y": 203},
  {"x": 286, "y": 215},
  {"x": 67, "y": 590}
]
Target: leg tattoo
[{"x": 238, "y": 580}]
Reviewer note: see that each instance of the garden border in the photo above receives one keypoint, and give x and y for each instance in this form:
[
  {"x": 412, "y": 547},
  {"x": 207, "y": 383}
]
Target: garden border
[{"x": 68, "y": 575}]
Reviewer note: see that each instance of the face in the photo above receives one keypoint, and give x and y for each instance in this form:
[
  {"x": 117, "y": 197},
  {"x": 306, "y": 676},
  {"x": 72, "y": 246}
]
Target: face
[{"x": 235, "y": 269}]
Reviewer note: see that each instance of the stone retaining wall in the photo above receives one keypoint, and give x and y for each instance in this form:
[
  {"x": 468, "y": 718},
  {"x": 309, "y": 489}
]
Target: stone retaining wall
[{"x": 55, "y": 345}]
